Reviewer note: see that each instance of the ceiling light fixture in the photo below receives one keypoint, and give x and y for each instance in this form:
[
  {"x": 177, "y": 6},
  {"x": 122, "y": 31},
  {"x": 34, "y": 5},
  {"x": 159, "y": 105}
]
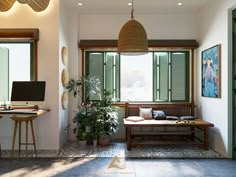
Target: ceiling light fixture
[
  {"x": 36, "y": 5},
  {"x": 180, "y": 4},
  {"x": 130, "y": 4},
  {"x": 80, "y": 4},
  {"x": 132, "y": 38}
]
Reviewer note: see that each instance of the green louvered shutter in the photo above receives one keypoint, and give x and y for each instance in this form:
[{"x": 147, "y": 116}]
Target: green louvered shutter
[
  {"x": 4, "y": 74},
  {"x": 112, "y": 74},
  {"x": 161, "y": 76},
  {"x": 94, "y": 67},
  {"x": 179, "y": 76}
]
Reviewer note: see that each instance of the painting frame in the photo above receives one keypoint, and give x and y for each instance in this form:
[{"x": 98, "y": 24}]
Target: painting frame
[{"x": 211, "y": 72}]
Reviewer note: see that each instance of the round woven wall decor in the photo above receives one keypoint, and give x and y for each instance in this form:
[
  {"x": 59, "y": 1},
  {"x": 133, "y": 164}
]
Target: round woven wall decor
[
  {"x": 38, "y": 5},
  {"x": 64, "y": 77},
  {"x": 64, "y": 55},
  {"x": 64, "y": 100},
  {"x": 5, "y": 5}
]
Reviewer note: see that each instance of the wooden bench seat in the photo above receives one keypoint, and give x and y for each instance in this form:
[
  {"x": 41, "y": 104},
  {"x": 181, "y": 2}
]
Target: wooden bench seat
[{"x": 195, "y": 132}]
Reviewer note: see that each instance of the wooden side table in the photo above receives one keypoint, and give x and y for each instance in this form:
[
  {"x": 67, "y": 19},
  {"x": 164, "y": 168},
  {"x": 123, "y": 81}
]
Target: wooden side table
[{"x": 18, "y": 121}]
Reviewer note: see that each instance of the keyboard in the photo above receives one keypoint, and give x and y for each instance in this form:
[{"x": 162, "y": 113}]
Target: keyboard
[{"x": 18, "y": 111}]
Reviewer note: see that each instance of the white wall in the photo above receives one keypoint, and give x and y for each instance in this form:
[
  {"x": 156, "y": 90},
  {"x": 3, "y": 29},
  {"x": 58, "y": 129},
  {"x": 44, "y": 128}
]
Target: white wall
[
  {"x": 63, "y": 42},
  {"x": 74, "y": 67},
  {"x": 157, "y": 26},
  {"x": 69, "y": 37},
  {"x": 22, "y": 16},
  {"x": 213, "y": 30}
]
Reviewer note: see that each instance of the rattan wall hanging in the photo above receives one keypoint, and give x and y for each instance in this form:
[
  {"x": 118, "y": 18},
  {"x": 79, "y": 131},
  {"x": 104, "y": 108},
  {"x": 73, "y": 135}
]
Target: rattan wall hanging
[
  {"x": 36, "y": 5},
  {"x": 5, "y": 5},
  {"x": 64, "y": 55},
  {"x": 64, "y": 100},
  {"x": 64, "y": 77}
]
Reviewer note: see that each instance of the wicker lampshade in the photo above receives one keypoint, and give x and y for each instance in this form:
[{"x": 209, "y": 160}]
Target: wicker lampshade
[
  {"x": 38, "y": 5},
  {"x": 132, "y": 38},
  {"x": 23, "y": 1},
  {"x": 5, "y": 5}
]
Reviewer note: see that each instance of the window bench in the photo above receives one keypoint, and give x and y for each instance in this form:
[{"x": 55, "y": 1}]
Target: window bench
[{"x": 194, "y": 132}]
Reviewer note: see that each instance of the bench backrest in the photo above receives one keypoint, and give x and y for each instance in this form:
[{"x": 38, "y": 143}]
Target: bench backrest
[{"x": 185, "y": 109}]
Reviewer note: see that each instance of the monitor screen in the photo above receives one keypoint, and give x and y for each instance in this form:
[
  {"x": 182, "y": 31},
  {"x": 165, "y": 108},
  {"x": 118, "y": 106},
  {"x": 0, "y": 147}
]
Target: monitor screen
[{"x": 28, "y": 92}]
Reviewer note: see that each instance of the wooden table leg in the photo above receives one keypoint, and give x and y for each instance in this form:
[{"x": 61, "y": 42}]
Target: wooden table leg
[
  {"x": 19, "y": 138},
  {"x": 206, "y": 138},
  {"x": 26, "y": 139},
  {"x": 125, "y": 133},
  {"x": 14, "y": 139},
  {"x": 32, "y": 132},
  {"x": 128, "y": 140},
  {"x": 193, "y": 133}
]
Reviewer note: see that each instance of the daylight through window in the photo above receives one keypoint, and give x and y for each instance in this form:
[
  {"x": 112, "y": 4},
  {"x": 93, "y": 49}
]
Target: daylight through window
[{"x": 158, "y": 76}]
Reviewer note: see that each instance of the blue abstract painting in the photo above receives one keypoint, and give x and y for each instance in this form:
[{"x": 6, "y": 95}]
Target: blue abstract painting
[{"x": 211, "y": 72}]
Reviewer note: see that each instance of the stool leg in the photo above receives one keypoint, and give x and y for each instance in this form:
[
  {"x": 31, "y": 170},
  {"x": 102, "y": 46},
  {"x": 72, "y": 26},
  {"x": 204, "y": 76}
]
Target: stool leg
[
  {"x": 19, "y": 138},
  {"x": 14, "y": 138},
  {"x": 32, "y": 130},
  {"x": 0, "y": 151},
  {"x": 26, "y": 139}
]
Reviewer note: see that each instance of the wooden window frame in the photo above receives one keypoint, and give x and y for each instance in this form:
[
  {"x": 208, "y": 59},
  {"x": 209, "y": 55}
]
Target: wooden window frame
[
  {"x": 23, "y": 35},
  {"x": 160, "y": 44}
]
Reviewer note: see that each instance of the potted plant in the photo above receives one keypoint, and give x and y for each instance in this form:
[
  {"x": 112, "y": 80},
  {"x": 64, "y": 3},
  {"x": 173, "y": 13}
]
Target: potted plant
[
  {"x": 86, "y": 112},
  {"x": 107, "y": 118},
  {"x": 81, "y": 137},
  {"x": 101, "y": 115}
]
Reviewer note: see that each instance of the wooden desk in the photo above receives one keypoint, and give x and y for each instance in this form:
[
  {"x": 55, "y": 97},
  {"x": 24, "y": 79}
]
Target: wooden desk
[
  {"x": 19, "y": 116},
  {"x": 193, "y": 125}
]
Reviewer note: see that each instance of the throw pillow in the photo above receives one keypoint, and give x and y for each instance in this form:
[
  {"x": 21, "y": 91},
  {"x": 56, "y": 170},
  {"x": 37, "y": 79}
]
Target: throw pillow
[
  {"x": 187, "y": 117},
  {"x": 134, "y": 118},
  {"x": 146, "y": 113},
  {"x": 158, "y": 115},
  {"x": 172, "y": 118}
]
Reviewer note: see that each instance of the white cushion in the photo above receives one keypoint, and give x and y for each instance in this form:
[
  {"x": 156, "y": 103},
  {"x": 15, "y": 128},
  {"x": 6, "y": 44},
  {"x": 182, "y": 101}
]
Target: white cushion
[
  {"x": 146, "y": 113},
  {"x": 134, "y": 118}
]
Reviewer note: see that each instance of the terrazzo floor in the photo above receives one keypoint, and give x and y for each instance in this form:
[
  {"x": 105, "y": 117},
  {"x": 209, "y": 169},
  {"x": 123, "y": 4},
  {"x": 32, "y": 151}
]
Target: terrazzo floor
[
  {"x": 116, "y": 161},
  {"x": 72, "y": 149}
]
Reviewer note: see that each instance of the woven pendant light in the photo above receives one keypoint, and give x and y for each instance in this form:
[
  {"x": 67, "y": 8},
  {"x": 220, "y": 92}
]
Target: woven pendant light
[
  {"x": 38, "y": 5},
  {"x": 23, "y": 1},
  {"x": 5, "y": 5},
  {"x": 132, "y": 38}
]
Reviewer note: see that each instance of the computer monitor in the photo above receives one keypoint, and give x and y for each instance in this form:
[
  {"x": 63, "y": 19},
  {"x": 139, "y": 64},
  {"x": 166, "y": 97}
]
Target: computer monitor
[{"x": 28, "y": 92}]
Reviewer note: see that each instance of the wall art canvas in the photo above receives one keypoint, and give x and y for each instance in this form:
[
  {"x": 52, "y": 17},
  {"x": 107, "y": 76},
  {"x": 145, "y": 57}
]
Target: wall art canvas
[{"x": 211, "y": 72}]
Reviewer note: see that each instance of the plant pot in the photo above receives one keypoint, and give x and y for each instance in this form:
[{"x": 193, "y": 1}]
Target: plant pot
[
  {"x": 104, "y": 140},
  {"x": 95, "y": 143},
  {"x": 82, "y": 143}
]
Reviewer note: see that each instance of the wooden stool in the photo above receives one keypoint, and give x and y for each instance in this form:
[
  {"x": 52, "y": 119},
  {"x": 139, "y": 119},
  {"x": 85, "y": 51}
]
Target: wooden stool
[{"x": 19, "y": 120}]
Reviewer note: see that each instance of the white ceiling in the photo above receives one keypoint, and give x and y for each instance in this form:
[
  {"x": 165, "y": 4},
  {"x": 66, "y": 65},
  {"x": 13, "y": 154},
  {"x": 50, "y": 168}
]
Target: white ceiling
[{"x": 140, "y": 6}]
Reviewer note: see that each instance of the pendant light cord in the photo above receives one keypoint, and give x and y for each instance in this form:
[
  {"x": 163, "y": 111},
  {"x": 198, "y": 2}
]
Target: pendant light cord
[{"x": 132, "y": 12}]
